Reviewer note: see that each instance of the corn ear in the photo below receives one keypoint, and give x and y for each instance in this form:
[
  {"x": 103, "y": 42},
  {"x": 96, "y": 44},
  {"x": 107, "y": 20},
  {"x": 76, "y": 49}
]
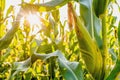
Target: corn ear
[{"x": 90, "y": 51}]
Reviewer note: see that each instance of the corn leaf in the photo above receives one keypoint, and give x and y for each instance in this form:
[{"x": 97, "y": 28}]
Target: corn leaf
[
  {"x": 56, "y": 15},
  {"x": 48, "y": 6},
  {"x": 32, "y": 1},
  {"x": 114, "y": 72},
  {"x": 91, "y": 21},
  {"x": 46, "y": 48},
  {"x": 88, "y": 47},
  {"x": 2, "y": 5},
  {"x": 70, "y": 70},
  {"x": 100, "y": 6},
  {"x": 20, "y": 66},
  {"x": 6, "y": 40},
  {"x": 10, "y": 9}
]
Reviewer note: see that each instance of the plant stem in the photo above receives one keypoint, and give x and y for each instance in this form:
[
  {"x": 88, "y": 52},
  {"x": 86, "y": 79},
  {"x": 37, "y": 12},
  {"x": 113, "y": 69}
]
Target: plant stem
[
  {"x": 92, "y": 23},
  {"x": 105, "y": 48},
  {"x": 119, "y": 40}
]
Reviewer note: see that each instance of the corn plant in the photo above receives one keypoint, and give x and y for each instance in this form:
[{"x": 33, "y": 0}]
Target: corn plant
[{"x": 86, "y": 49}]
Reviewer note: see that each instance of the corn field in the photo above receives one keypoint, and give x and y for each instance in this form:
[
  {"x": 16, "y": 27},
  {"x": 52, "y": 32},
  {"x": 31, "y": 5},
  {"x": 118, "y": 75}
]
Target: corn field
[{"x": 60, "y": 40}]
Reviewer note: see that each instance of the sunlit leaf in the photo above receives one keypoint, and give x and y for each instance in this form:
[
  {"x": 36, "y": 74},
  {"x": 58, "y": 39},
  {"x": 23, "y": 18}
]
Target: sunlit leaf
[
  {"x": 32, "y": 1},
  {"x": 48, "y": 6},
  {"x": 10, "y": 9},
  {"x": 92, "y": 22},
  {"x": 6, "y": 40},
  {"x": 6, "y": 54},
  {"x": 56, "y": 15},
  {"x": 70, "y": 70},
  {"x": 47, "y": 48},
  {"x": 2, "y": 5},
  {"x": 34, "y": 53},
  {"x": 88, "y": 47},
  {"x": 2, "y": 28},
  {"x": 54, "y": 27}
]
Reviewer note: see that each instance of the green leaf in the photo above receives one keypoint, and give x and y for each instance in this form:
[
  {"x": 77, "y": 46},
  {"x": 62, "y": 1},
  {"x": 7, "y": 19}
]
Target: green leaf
[
  {"x": 22, "y": 66},
  {"x": 114, "y": 72},
  {"x": 48, "y": 6},
  {"x": 32, "y": 1},
  {"x": 91, "y": 21},
  {"x": 2, "y": 28},
  {"x": 10, "y": 9},
  {"x": 56, "y": 15},
  {"x": 28, "y": 75},
  {"x": 100, "y": 6},
  {"x": 47, "y": 48},
  {"x": 54, "y": 26},
  {"x": 70, "y": 70},
  {"x": 88, "y": 47},
  {"x": 60, "y": 46},
  {"x": 6, "y": 54},
  {"x": 6, "y": 40},
  {"x": 2, "y": 5}
]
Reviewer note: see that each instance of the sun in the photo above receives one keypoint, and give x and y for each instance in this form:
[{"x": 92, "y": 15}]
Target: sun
[{"x": 33, "y": 19}]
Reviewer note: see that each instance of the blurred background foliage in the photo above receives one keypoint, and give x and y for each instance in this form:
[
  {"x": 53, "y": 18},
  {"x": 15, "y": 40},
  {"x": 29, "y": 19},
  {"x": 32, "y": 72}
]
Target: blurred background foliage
[{"x": 53, "y": 39}]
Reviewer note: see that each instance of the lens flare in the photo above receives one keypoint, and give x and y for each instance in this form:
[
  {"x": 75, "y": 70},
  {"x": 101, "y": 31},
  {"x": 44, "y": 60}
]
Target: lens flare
[{"x": 33, "y": 19}]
